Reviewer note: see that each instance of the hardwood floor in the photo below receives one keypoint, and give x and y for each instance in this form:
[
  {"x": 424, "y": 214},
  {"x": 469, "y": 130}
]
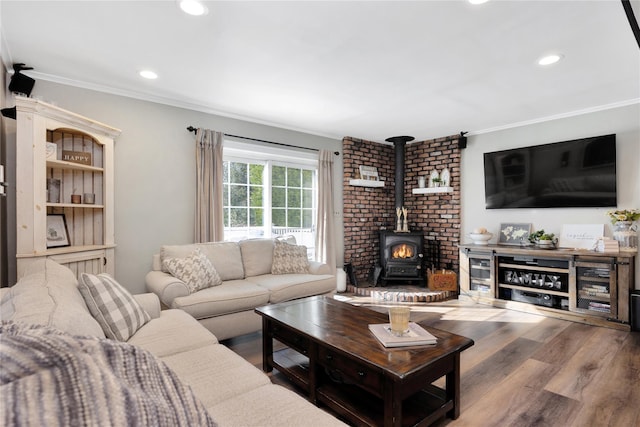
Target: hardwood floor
[{"x": 525, "y": 369}]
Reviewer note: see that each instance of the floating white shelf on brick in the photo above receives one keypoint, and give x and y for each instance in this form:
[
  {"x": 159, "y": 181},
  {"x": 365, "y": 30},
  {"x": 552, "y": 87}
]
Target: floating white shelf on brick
[
  {"x": 432, "y": 190},
  {"x": 365, "y": 183}
]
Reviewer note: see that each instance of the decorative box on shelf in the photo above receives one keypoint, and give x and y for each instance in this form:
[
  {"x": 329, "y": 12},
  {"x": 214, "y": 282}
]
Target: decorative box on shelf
[{"x": 432, "y": 190}]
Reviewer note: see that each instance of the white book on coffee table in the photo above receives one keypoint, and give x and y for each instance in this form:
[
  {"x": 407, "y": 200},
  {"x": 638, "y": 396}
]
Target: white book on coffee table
[{"x": 416, "y": 335}]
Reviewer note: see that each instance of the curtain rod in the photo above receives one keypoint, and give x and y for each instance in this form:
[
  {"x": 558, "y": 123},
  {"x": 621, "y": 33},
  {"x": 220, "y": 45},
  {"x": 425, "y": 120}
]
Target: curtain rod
[{"x": 194, "y": 130}]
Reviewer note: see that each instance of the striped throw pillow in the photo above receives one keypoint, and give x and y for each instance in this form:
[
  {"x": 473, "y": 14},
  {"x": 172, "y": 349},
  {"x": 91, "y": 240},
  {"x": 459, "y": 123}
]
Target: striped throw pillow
[{"x": 115, "y": 309}]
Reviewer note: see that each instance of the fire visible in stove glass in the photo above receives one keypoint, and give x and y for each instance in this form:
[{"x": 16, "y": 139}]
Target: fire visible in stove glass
[{"x": 402, "y": 251}]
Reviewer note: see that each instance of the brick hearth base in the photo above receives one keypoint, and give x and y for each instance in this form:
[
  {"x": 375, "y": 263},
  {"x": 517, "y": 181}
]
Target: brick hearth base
[{"x": 401, "y": 294}]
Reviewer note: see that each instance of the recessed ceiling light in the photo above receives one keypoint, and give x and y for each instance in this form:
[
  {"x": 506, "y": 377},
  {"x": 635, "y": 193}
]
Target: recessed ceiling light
[
  {"x": 478, "y": 1},
  {"x": 148, "y": 74},
  {"x": 549, "y": 59},
  {"x": 193, "y": 7}
]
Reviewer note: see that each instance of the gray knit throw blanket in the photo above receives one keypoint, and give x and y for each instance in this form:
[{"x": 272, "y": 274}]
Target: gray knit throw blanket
[{"x": 50, "y": 378}]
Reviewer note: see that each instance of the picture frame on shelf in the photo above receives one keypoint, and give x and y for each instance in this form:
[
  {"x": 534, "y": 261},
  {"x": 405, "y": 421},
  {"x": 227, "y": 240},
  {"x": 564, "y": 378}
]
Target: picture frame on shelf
[
  {"x": 581, "y": 236},
  {"x": 368, "y": 173},
  {"x": 57, "y": 232},
  {"x": 514, "y": 233}
]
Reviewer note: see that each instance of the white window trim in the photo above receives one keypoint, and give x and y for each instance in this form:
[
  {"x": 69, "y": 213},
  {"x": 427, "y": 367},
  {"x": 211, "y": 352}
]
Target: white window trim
[
  {"x": 289, "y": 156},
  {"x": 243, "y": 152}
]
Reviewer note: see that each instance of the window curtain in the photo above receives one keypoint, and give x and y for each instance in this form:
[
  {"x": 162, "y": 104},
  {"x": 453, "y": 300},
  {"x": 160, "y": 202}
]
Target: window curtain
[
  {"x": 209, "y": 220},
  {"x": 325, "y": 233}
]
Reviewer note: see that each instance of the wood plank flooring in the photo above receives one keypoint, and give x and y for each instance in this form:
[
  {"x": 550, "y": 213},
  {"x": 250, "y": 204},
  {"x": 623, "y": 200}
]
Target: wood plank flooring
[{"x": 525, "y": 369}]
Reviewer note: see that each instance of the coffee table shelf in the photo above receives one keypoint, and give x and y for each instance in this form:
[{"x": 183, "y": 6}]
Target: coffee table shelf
[
  {"x": 294, "y": 366},
  {"x": 353, "y": 403}
]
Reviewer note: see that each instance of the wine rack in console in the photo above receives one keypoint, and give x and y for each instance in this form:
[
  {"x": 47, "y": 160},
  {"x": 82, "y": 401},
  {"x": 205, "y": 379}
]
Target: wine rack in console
[
  {"x": 64, "y": 183},
  {"x": 577, "y": 285}
]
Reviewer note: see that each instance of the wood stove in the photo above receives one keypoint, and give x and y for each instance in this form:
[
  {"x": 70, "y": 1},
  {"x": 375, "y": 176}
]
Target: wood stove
[{"x": 401, "y": 255}]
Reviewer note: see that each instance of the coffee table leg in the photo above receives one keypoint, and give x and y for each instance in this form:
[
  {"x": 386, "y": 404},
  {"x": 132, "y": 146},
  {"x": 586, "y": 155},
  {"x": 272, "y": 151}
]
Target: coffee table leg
[
  {"x": 392, "y": 406},
  {"x": 453, "y": 388},
  {"x": 267, "y": 346}
]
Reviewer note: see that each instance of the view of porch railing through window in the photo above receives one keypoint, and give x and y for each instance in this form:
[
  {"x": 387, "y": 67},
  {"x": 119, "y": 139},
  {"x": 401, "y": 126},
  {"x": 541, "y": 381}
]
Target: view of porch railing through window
[{"x": 264, "y": 199}]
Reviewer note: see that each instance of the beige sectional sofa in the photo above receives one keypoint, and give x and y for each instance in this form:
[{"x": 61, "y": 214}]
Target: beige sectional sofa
[
  {"x": 245, "y": 269},
  {"x": 228, "y": 391}
]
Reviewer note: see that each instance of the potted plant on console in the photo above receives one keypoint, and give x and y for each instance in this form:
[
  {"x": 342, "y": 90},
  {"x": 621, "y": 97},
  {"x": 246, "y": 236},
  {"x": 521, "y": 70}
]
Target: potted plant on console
[{"x": 543, "y": 240}]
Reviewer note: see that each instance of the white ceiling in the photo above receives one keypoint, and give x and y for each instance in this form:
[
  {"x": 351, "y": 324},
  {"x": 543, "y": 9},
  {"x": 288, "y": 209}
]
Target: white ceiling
[{"x": 368, "y": 69}]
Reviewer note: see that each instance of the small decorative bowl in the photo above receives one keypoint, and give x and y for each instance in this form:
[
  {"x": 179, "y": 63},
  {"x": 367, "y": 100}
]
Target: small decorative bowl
[
  {"x": 481, "y": 239},
  {"x": 546, "y": 244}
]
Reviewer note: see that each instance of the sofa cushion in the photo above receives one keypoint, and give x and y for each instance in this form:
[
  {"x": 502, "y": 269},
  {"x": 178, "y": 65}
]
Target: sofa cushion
[
  {"x": 117, "y": 311},
  {"x": 256, "y": 407},
  {"x": 257, "y": 256},
  {"x": 216, "y": 364},
  {"x": 69, "y": 380},
  {"x": 196, "y": 271},
  {"x": 288, "y": 259},
  {"x": 48, "y": 295},
  {"x": 225, "y": 257},
  {"x": 292, "y": 286},
  {"x": 172, "y": 333},
  {"x": 230, "y": 297}
]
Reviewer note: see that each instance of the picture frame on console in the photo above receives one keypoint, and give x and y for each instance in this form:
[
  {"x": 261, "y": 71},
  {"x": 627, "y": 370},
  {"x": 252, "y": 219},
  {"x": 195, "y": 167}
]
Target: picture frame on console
[
  {"x": 514, "y": 233},
  {"x": 57, "y": 232}
]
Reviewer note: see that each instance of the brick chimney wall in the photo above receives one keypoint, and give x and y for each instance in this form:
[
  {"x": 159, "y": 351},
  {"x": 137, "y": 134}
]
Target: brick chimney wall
[{"x": 368, "y": 209}]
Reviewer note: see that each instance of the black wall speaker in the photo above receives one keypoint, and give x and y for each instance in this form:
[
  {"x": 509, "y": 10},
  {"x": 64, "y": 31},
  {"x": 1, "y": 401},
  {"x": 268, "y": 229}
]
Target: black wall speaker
[
  {"x": 10, "y": 113},
  {"x": 21, "y": 84},
  {"x": 462, "y": 140}
]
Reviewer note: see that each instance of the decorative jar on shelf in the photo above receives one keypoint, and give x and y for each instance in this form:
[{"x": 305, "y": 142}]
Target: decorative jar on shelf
[{"x": 627, "y": 235}]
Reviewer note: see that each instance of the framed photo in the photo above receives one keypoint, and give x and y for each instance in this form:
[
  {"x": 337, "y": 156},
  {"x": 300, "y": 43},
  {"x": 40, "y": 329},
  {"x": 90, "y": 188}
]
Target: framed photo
[
  {"x": 512, "y": 233},
  {"x": 57, "y": 234},
  {"x": 368, "y": 173}
]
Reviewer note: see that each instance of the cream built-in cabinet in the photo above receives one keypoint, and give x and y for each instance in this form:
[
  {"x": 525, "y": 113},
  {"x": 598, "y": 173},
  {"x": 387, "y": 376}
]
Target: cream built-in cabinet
[{"x": 90, "y": 244}]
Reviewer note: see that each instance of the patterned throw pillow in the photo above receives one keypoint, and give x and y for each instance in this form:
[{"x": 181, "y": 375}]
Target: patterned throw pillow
[
  {"x": 196, "y": 271},
  {"x": 289, "y": 259},
  {"x": 115, "y": 309}
]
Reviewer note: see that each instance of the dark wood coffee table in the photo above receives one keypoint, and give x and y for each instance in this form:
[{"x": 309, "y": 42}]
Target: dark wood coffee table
[{"x": 336, "y": 360}]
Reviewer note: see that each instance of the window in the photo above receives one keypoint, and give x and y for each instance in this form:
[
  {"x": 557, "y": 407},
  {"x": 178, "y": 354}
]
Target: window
[{"x": 269, "y": 194}]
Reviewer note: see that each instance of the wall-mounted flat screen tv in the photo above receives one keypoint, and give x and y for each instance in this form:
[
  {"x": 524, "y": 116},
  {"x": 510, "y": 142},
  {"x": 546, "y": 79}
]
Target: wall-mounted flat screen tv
[{"x": 578, "y": 173}]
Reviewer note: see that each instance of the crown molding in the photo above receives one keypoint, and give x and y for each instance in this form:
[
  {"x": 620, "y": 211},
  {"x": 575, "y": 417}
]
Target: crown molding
[
  {"x": 169, "y": 101},
  {"x": 569, "y": 114},
  {"x": 208, "y": 110}
]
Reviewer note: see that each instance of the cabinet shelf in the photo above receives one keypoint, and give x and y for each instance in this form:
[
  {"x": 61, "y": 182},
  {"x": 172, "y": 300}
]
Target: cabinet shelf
[
  {"x": 593, "y": 279},
  {"x": 480, "y": 281},
  {"x": 74, "y": 205},
  {"x": 66, "y": 250},
  {"x": 61, "y": 164},
  {"x": 534, "y": 268},
  {"x": 540, "y": 290},
  {"x": 594, "y": 296}
]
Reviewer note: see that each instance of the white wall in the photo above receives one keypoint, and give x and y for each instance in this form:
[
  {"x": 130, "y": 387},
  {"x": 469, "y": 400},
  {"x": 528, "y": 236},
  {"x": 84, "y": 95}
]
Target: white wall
[
  {"x": 155, "y": 171},
  {"x": 623, "y": 121},
  {"x": 155, "y": 175}
]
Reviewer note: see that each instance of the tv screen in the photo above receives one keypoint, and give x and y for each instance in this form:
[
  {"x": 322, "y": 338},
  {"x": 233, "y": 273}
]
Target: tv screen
[{"x": 578, "y": 173}]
